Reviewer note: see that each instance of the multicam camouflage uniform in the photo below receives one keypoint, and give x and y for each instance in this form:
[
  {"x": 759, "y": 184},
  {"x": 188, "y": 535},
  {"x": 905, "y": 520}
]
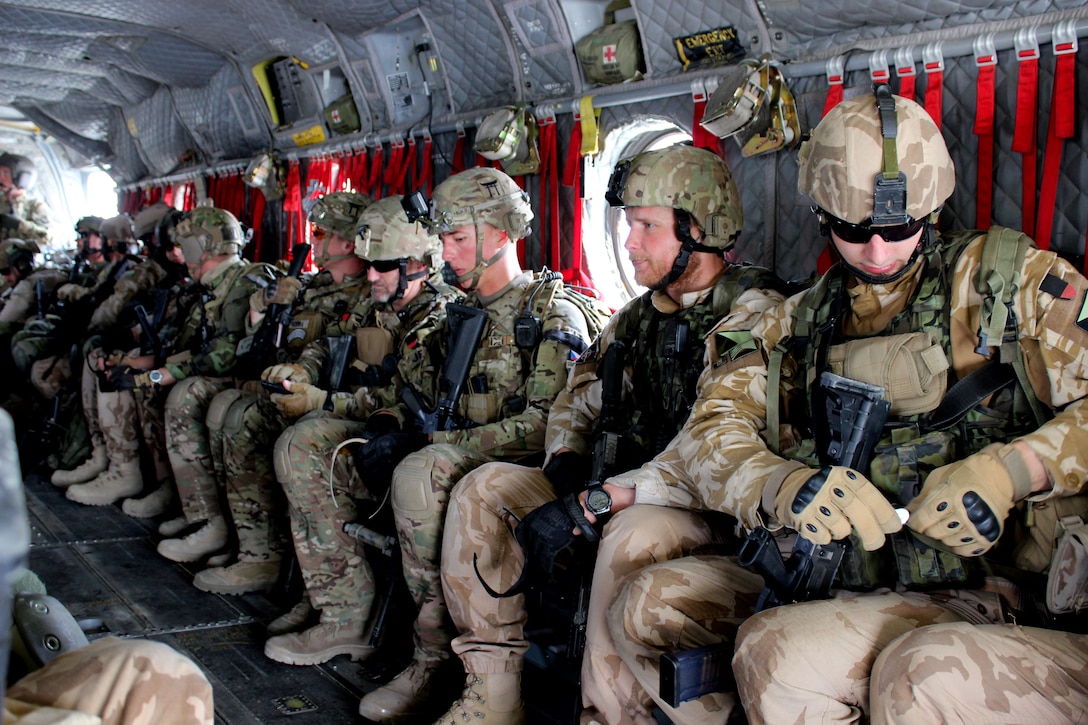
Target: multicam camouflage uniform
[
  {"x": 962, "y": 672},
  {"x": 243, "y": 424},
  {"x": 212, "y": 332},
  {"x": 812, "y": 660},
  {"x": 33, "y": 216},
  {"x": 114, "y": 681}
]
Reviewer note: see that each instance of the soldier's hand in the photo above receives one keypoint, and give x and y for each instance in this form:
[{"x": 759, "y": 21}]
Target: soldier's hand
[
  {"x": 379, "y": 456},
  {"x": 71, "y": 292},
  {"x": 283, "y": 291},
  {"x": 964, "y": 505},
  {"x": 9, "y": 221},
  {"x": 824, "y": 505},
  {"x": 302, "y": 399},
  {"x": 568, "y": 472},
  {"x": 122, "y": 377},
  {"x": 286, "y": 371}
]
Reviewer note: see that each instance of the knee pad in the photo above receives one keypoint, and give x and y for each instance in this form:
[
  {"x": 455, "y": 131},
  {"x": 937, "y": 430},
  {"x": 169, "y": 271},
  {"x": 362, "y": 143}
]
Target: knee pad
[
  {"x": 220, "y": 405},
  {"x": 412, "y": 492},
  {"x": 281, "y": 456}
]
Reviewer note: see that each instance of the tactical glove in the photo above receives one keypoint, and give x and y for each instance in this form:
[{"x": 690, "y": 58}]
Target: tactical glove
[
  {"x": 303, "y": 398},
  {"x": 283, "y": 291},
  {"x": 823, "y": 506},
  {"x": 547, "y": 537},
  {"x": 964, "y": 505},
  {"x": 381, "y": 423},
  {"x": 126, "y": 378},
  {"x": 71, "y": 292},
  {"x": 568, "y": 471},
  {"x": 286, "y": 371},
  {"x": 376, "y": 460},
  {"x": 9, "y": 221}
]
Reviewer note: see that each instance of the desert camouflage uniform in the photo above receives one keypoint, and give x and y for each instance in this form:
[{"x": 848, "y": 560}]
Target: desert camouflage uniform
[
  {"x": 243, "y": 424},
  {"x": 489, "y": 502},
  {"x": 334, "y": 568},
  {"x": 967, "y": 673},
  {"x": 21, "y": 301},
  {"x": 212, "y": 332},
  {"x": 34, "y": 215},
  {"x": 775, "y": 651},
  {"x": 114, "y": 682}
]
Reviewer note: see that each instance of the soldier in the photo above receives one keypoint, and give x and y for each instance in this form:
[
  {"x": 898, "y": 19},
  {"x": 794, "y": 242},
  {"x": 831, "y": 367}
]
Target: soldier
[
  {"x": 243, "y": 423},
  {"x": 481, "y": 214},
  {"x": 22, "y": 216},
  {"x": 19, "y": 271},
  {"x": 962, "y": 448},
  {"x": 685, "y": 214},
  {"x": 211, "y": 241}
]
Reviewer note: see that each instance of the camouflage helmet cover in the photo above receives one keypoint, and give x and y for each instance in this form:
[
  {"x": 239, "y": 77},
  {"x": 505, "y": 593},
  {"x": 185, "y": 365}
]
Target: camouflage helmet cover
[
  {"x": 339, "y": 212},
  {"x": 688, "y": 178},
  {"x": 149, "y": 217},
  {"x": 118, "y": 229},
  {"x": 482, "y": 195},
  {"x": 208, "y": 230},
  {"x": 844, "y": 155},
  {"x": 16, "y": 245},
  {"x": 385, "y": 233},
  {"x": 89, "y": 224}
]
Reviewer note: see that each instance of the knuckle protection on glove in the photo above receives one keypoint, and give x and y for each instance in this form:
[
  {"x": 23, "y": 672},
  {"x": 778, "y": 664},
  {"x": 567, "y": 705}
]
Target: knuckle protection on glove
[{"x": 412, "y": 495}]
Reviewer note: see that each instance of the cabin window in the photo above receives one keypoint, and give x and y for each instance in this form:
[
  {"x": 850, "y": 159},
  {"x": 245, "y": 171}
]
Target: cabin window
[{"x": 608, "y": 263}]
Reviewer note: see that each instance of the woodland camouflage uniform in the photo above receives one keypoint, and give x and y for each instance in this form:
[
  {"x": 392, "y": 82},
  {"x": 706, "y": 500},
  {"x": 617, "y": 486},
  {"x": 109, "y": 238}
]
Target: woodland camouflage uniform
[{"x": 722, "y": 460}]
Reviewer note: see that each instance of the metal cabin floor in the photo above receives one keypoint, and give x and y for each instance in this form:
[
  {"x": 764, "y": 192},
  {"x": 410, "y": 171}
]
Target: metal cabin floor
[{"x": 103, "y": 566}]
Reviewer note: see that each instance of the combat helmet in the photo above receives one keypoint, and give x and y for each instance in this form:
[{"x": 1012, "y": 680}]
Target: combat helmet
[
  {"x": 118, "y": 231},
  {"x": 337, "y": 213},
  {"x": 23, "y": 171},
  {"x": 386, "y": 236},
  {"x": 18, "y": 254},
  {"x": 208, "y": 232},
  {"x": 89, "y": 224},
  {"x": 477, "y": 196}
]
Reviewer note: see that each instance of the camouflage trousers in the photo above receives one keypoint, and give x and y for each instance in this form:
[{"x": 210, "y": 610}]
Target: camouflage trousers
[
  {"x": 112, "y": 419},
  {"x": 242, "y": 431},
  {"x": 968, "y": 673},
  {"x": 121, "y": 681},
  {"x": 420, "y": 493},
  {"x": 151, "y": 413},
  {"x": 334, "y": 568},
  {"x": 811, "y": 662},
  {"x": 188, "y": 447},
  {"x": 88, "y": 395}
]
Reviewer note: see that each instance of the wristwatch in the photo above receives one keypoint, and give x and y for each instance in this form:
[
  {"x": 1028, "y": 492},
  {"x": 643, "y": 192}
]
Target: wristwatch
[
  {"x": 155, "y": 376},
  {"x": 598, "y": 502}
]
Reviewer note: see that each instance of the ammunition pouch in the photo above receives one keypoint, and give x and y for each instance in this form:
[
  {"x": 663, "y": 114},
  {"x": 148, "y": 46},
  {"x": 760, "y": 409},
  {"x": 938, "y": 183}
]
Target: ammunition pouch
[
  {"x": 1067, "y": 582},
  {"x": 912, "y": 368},
  {"x": 372, "y": 344}
]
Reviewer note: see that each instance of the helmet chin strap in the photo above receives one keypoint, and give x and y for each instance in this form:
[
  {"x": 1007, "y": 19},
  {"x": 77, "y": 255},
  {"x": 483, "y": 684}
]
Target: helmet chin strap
[
  {"x": 687, "y": 246},
  {"x": 404, "y": 278},
  {"x": 473, "y": 275}
]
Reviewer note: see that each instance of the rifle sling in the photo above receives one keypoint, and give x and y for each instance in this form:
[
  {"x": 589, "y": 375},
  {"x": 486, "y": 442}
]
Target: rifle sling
[{"x": 968, "y": 392}]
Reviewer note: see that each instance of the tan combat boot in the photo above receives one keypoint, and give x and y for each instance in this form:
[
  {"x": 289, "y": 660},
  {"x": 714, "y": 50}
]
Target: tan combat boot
[
  {"x": 118, "y": 481},
  {"x": 239, "y": 578},
  {"x": 293, "y": 620},
  {"x": 153, "y": 504},
  {"x": 407, "y": 696},
  {"x": 319, "y": 644},
  {"x": 93, "y": 466},
  {"x": 208, "y": 539},
  {"x": 493, "y": 698},
  {"x": 172, "y": 527}
]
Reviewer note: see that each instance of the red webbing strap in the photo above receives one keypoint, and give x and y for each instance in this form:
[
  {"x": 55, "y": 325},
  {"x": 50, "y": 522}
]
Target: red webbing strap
[
  {"x": 550, "y": 242},
  {"x": 1061, "y": 127},
  {"x": 933, "y": 62},
  {"x": 904, "y": 69},
  {"x": 256, "y": 221},
  {"x": 700, "y": 137},
  {"x": 458, "y": 163},
  {"x": 374, "y": 178},
  {"x": 394, "y": 168},
  {"x": 355, "y": 169},
  {"x": 572, "y": 179},
  {"x": 836, "y": 75},
  {"x": 1025, "y": 136},
  {"x": 426, "y": 165},
  {"x": 986, "y": 62},
  {"x": 292, "y": 204}
]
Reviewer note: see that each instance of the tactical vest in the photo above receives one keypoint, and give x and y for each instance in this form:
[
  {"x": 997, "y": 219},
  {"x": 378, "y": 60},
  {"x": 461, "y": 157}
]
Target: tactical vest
[
  {"x": 665, "y": 355},
  {"x": 322, "y": 302},
  {"x": 914, "y": 445},
  {"x": 199, "y": 328}
]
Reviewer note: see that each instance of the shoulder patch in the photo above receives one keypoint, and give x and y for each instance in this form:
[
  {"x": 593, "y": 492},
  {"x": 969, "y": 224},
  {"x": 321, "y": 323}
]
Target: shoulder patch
[
  {"x": 1082, "y": 317},
  {"x": 731, "y": 346},
  {"x": 1055, "y": 286}
]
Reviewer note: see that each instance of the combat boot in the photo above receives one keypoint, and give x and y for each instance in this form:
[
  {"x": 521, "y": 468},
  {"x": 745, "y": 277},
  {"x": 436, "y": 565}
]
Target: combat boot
[
  {"x": 153, "y": 504},
  {"x": 208, "y": 539},
  {"x": 86, "y": 471},
  {"x": 493, "y": 698},
  {"x": 118, "y": 481},
  {"x": 239, "y": 578},
  {"x": 319, "y": 644},
  {"x": 293, "y": 620},
  {"x": 172, "y": 527},
  {"x": 407, "y": 696}
]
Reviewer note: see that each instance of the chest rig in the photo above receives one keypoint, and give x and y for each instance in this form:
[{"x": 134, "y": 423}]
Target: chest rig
[{"x": 912, "y": 445}]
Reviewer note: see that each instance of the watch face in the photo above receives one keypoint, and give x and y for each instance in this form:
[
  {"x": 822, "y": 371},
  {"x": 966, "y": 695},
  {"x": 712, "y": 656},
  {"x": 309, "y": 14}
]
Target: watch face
[
  {"x": 598, "y": 501},
  {"x": 155, "y": 376}
]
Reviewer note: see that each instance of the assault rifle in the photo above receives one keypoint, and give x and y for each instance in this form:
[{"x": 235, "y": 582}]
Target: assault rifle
[
  {"x": 466, "y": 326},
  {"x": 74, "y": 321},
  {"x": 150, "y": 342},
  {"x": 856, "y": 412},
  {"x": 39, "y": 294},
  {"x": 266, "y": 340}
]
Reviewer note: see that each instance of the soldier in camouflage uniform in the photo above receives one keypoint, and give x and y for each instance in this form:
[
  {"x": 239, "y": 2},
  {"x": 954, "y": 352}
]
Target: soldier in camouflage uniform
[
  {"x": 243, "y": 423},
  {"x": 685, "y": 213},
  {"x": 211, "y": 241},
  {"x": 22, "y": 216},
  {"x": 481, "y": 214},
  {"x": 130, "y": 681},
  {"x": 902, "y": 305}
]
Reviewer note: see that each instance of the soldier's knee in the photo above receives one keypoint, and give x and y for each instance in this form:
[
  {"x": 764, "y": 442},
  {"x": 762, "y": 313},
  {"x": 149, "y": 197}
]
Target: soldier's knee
[
  {"x": 183, "y": 395},
  {"x": 219, "y": 407},
  {"x": 281, "y": 455},
  {"x": 413, "y": 495},
  {"x": 240, "y": 417}
]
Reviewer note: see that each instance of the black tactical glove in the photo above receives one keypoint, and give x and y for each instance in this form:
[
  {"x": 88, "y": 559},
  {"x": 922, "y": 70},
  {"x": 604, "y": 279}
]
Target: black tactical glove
[
  {"x": 376, "y": 460},
  {"x": 568, "y": 471},
  {"x": 9, "y": 221},
  {"x": 122, "y": 377},
  {"x": 552, "y": 549},
  {"x": 381, "y": 423}
]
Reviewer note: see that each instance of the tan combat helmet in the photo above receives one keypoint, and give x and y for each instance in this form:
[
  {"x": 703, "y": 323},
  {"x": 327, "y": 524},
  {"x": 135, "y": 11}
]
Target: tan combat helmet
[
  {"x": 208, "y": 232},
  {"x": 478, "y": 196},
  {"x": 147, "y": 219},
  {"x": 337, "y": 213},
  {"x": 18, "y": 254},
  {"x": 119, "y": 232},
  {"x": 88, "y": 224},
  {"x": 386, "y": 237},
  {"x": 850, "y": 150}
]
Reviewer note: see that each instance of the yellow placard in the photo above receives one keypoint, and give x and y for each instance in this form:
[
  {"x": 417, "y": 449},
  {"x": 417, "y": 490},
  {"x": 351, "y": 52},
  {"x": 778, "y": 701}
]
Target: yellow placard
[
  {"x": 312, "y": 135},
  {"x": 131, "y": 123}
]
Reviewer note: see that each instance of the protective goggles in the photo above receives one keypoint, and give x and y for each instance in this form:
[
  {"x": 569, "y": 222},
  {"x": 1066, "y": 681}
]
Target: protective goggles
[
  {"x": 862, "y": 233},
  {"x": 381, "y": 266},
  {"x": 318, "y": 233}
]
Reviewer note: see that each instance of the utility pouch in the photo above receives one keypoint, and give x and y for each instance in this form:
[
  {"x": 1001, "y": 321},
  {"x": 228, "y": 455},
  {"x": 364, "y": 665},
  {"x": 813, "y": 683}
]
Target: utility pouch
[
  {"x": 912, "y": 368},
  {"x": 341, "y": 116},
  {"x": 372, "y": 344},
  {"x": 613, "y": 52},
  {"x": 1067, "y": 582}
]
